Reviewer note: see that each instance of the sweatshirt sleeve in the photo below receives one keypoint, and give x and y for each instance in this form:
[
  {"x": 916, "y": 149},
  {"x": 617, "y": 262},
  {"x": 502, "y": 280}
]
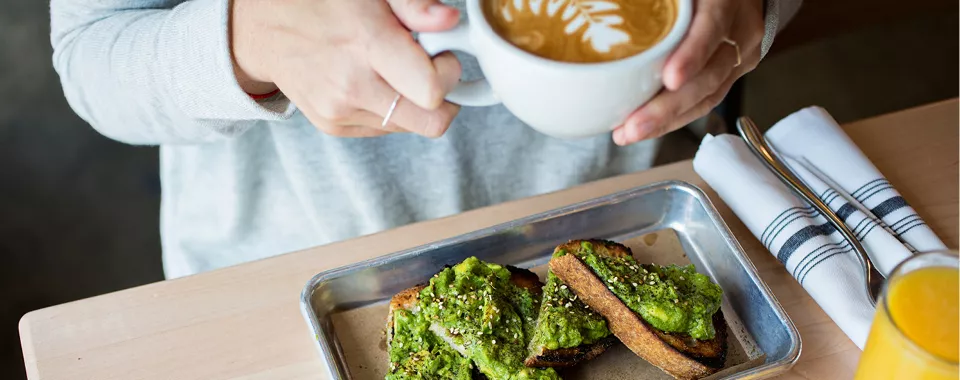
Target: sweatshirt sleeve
[
  {"x": 154, "y": 71},
  {"x": 777, "y": 15}
]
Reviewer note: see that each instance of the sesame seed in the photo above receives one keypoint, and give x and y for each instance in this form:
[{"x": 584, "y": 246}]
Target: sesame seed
[
  {"x": 635, "y": 285},
  {"x": 563, "y": 286},
  {"x": 681, "y": 278},
  {"x": 567, "y": 305},
  {"x": 494, "y": 342}
]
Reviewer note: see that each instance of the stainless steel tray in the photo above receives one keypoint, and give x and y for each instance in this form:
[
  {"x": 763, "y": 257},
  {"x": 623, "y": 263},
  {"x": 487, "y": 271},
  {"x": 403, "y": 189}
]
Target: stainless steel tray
[{"x": 528, "y": 242}]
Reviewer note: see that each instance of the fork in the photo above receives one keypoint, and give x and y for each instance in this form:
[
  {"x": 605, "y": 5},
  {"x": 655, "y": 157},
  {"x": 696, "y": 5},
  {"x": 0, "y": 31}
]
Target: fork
[{"x": 758, "y": 145}]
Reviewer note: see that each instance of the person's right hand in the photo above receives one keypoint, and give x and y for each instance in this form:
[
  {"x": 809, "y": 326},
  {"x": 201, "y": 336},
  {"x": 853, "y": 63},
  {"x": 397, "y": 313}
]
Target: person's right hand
[{"x": 343, "y": 62}]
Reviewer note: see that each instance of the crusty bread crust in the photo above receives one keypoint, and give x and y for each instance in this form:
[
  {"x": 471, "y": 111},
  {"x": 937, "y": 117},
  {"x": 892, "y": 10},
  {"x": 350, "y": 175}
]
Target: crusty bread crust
[
  {"x": 526, "y": 279},
  {"x": 405, "y": 300},
  {"x": 567, "y": 357},
  {"x": 712, "y": 353},
  {"x": 672, "y": 353}
]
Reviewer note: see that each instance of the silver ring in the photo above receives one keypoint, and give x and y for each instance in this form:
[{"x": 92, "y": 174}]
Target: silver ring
[
  {"x": 735, "y": 46},
  {"x": 393, "y": 106}
]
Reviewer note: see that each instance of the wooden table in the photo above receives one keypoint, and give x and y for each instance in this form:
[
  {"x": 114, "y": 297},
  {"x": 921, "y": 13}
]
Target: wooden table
[{"x": 243, "y": 322}]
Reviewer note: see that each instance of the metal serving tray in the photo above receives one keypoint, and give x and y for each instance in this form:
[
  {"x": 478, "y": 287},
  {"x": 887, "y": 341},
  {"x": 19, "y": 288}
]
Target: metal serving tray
[{"x": 529, "y": 241}]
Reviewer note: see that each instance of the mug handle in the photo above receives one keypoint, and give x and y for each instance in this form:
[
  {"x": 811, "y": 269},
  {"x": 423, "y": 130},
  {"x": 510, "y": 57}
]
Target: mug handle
[{"x": 475, "y": 93}]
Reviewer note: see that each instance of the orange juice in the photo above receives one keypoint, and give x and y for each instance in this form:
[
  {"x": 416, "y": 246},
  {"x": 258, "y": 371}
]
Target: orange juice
[{"x": 914, "y": 334}]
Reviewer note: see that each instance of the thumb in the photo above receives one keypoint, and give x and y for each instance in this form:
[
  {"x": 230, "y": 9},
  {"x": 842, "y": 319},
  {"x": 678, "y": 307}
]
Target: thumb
[{"x": 425, "y": 15}]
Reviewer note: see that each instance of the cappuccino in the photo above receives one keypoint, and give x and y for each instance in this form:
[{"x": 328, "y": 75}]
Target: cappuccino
[{"x": 581, "y": 31}]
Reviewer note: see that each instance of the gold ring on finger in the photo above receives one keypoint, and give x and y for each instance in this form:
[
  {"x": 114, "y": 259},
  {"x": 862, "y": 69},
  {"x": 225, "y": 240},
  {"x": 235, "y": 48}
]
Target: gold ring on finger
[
  {"x": 393, "y": 106},
  {"x": 735, "y": 46}
]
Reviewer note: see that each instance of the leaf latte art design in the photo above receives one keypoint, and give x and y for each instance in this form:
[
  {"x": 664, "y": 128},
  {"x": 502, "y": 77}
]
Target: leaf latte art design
[
  {"x": 581, "y": 30},
  {"x": 599, "y": 19}
]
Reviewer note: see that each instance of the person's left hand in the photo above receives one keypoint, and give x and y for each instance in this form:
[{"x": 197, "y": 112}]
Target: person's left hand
[{"x": 698, "y": 75}]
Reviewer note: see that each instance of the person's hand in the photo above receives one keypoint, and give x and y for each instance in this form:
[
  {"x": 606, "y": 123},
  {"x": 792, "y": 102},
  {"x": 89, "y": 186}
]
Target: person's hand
[
  {"x": 698, "y": 75},
  {"x": 344, "y": 62}
]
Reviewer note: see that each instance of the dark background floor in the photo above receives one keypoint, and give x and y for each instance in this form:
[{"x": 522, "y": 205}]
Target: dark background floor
[{"x": 79, "y": 212}]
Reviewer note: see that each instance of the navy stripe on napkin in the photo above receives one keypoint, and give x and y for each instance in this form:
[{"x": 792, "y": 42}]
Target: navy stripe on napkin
[
  {"x": 815, "y": 258},
  {"x": 800, "y": 237},
  {"x": 898, "y": 225},
  {"x": 845, "y": 211},
  {"x": 823, "y": 249},
  {"x": 782, "y": 221},
  {"x": 795, "y": 241},
  {"x": 878, "y": 190},
  {"x": 888, "y": 206},
  {"x": 915, "y": 225},
  {"x": 867, "y": 187},
  {"x": 821, "y": 259}
]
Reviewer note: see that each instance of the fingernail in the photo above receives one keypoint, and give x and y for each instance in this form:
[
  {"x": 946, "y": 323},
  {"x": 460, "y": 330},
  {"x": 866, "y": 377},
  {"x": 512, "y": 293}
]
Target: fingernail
[
  {"x": 670, "y": 80},
  {"x": 618, "y": 136}
]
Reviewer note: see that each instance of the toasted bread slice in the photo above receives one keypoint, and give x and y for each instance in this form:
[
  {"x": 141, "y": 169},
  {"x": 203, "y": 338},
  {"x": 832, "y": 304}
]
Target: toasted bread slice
[
  {"x": 408, "y": 299},
  {"x": 555, "y": 295},
  {"x": 676, "y": 354}
]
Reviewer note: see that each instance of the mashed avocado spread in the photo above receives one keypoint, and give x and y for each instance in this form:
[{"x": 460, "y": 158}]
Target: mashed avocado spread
[
  {"x": 488, "y": 315},
  {"x": 565, "y": 321},
  {"x": 416, "y": 353},
  {"x": 673, "y": 298}
]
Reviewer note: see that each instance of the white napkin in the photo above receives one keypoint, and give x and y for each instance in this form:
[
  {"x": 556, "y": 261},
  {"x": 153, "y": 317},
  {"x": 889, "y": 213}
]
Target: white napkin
[
  {"x": 796, "y": 234},
  {"x": 813, "y": 134}
]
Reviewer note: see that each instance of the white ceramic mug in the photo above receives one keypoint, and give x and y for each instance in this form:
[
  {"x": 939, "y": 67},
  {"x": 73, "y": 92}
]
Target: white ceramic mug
[{"x": 560, "y": 99}]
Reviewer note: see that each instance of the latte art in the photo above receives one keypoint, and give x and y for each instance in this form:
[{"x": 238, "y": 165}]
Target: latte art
[{"x": 581, "y": 30}]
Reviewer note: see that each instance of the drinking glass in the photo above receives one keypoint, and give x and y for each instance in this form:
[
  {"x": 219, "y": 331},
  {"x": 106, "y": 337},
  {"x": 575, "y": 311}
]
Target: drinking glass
[{"x": 914, "y": 334}]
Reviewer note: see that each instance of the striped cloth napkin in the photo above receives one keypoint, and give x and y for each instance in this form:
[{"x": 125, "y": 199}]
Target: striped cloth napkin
[{"x": 810, "y": 248}]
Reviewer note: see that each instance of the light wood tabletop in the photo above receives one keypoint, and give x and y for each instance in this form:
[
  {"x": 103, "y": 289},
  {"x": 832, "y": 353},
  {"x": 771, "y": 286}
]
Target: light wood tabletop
[{"x": 244, "y": 322}]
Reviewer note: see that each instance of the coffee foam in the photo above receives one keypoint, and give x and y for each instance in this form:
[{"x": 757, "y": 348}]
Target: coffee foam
[{"x": 581, "y": 30}]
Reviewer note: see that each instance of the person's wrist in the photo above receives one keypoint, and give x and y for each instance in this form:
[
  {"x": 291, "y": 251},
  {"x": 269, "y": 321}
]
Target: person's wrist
[{"x": 244, "y": 39}]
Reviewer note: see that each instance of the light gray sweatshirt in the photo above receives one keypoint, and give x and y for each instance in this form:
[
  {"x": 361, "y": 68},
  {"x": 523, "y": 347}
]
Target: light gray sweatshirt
[{"x": 243, "y": 180}]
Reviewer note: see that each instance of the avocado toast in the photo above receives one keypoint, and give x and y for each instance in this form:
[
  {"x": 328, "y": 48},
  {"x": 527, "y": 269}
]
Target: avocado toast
[
  {"x": 567, "y": 331},
  {"x": 668, "y": 316},
  {"x": 414, "y": 350},
  {"x": 485, "y": 313}
]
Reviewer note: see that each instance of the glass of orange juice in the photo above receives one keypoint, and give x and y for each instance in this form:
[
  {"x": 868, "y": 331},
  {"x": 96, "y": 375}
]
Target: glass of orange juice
[{"x": 914, "y": 334}]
